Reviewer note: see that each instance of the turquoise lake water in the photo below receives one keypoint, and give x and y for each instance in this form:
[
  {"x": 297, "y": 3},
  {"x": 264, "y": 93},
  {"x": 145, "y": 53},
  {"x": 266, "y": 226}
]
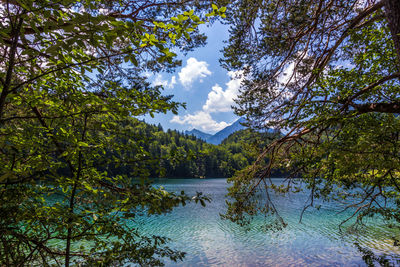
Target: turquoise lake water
[{"x": 210, "y": 241}]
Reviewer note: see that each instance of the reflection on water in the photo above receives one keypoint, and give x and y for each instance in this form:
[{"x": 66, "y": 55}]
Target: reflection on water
[{"x": 210, "y": 241}]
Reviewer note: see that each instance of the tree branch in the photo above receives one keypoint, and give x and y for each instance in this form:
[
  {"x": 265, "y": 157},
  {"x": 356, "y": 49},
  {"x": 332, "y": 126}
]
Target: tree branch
[
  {"x": 377, "y": 107},
  {"x": 373, "y": 85}
]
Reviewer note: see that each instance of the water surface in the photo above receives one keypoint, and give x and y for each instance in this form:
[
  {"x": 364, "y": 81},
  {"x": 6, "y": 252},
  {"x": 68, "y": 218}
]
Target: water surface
[{"x": 210, "y": 241}]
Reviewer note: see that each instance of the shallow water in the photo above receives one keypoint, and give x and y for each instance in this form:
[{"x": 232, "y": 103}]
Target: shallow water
[{"x": 210, "y": 241}]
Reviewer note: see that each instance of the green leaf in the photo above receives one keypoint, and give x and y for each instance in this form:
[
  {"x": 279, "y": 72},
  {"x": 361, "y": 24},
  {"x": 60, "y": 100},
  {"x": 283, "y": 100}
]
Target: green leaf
[{"x": 83, "y": 144}]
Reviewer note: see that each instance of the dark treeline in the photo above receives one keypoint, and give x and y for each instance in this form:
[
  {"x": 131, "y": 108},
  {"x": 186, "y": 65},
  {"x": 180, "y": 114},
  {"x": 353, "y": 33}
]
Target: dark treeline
[{"x": 174, "y": 154}]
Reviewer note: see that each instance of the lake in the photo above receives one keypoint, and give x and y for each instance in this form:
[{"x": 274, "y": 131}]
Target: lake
[{"x": 210, "y": 241}]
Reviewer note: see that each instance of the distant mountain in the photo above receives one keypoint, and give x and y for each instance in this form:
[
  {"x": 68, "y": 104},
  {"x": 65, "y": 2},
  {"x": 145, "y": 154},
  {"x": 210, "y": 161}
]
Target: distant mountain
[
  {"x": 199, "y": 134},
  {"x": 217, "y": 138}
]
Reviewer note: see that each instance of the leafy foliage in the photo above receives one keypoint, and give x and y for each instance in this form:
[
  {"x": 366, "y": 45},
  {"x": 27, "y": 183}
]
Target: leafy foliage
[
  {"x": 70, "y": 87},
  {"x": 326, "y": 73}
]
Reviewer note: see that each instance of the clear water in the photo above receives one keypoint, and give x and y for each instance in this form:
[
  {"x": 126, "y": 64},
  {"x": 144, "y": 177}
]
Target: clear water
[{"x": 210, "y": 241}]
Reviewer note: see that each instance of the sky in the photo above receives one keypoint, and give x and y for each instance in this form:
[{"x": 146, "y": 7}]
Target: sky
[{"x": 207, "y": 89}]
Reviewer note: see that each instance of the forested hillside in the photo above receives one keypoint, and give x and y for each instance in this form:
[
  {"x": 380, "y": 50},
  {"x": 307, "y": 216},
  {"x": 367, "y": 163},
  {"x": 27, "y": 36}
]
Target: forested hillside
[{"x": 175, "y": 154}]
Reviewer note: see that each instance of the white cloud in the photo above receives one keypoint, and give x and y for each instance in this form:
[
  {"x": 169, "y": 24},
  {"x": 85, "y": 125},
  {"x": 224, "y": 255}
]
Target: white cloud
[
  {"x": 221, "y": 101},
  {"x": 192, "y": 71},
  {"x": 164, "y": 83},
  {"x": 104, "y": 11},
  {"x": 173, "y": 81},
  {"x": 218, "y": 100},
  {"x": 147, "y": 74},
  {"x": 288, "y": 75},
  {"x": 200, "y": 120},
  {"x": 362, "y": 4}
]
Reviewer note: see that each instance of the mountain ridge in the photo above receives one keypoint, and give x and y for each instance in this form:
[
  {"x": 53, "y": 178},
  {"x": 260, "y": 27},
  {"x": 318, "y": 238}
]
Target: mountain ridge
[
  {"x": 218, "y": 137},
  {"x": 199, "y": 134}
]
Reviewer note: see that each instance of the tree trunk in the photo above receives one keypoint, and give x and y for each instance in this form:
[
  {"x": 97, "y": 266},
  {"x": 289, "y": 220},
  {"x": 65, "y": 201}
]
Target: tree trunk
[
  {"x": 392, "y": 12},
  {"x": 11, "y": 63}
]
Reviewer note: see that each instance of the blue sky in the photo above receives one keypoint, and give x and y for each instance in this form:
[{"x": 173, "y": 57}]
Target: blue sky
[{"x": 206, "y": 88}]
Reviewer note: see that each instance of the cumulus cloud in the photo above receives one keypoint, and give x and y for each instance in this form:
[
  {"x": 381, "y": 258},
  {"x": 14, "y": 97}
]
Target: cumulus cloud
[
  {"x": 219, "y": 100},
  {"x": 200, "y": 120},
  {"x": 193, "y": 71},
  {"x": 158, "y": 80}
]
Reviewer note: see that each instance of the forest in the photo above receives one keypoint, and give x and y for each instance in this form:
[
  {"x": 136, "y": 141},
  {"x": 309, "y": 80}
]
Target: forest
[{"x": 174, "y": 154}]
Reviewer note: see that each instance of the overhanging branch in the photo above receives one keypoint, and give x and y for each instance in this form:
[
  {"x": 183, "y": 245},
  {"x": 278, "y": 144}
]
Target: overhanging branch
[{"x": 378, "y": 107}]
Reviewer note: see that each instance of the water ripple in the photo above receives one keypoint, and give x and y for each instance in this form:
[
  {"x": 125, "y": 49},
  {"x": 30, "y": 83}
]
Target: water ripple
[{"x": 210, "y": 241}]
